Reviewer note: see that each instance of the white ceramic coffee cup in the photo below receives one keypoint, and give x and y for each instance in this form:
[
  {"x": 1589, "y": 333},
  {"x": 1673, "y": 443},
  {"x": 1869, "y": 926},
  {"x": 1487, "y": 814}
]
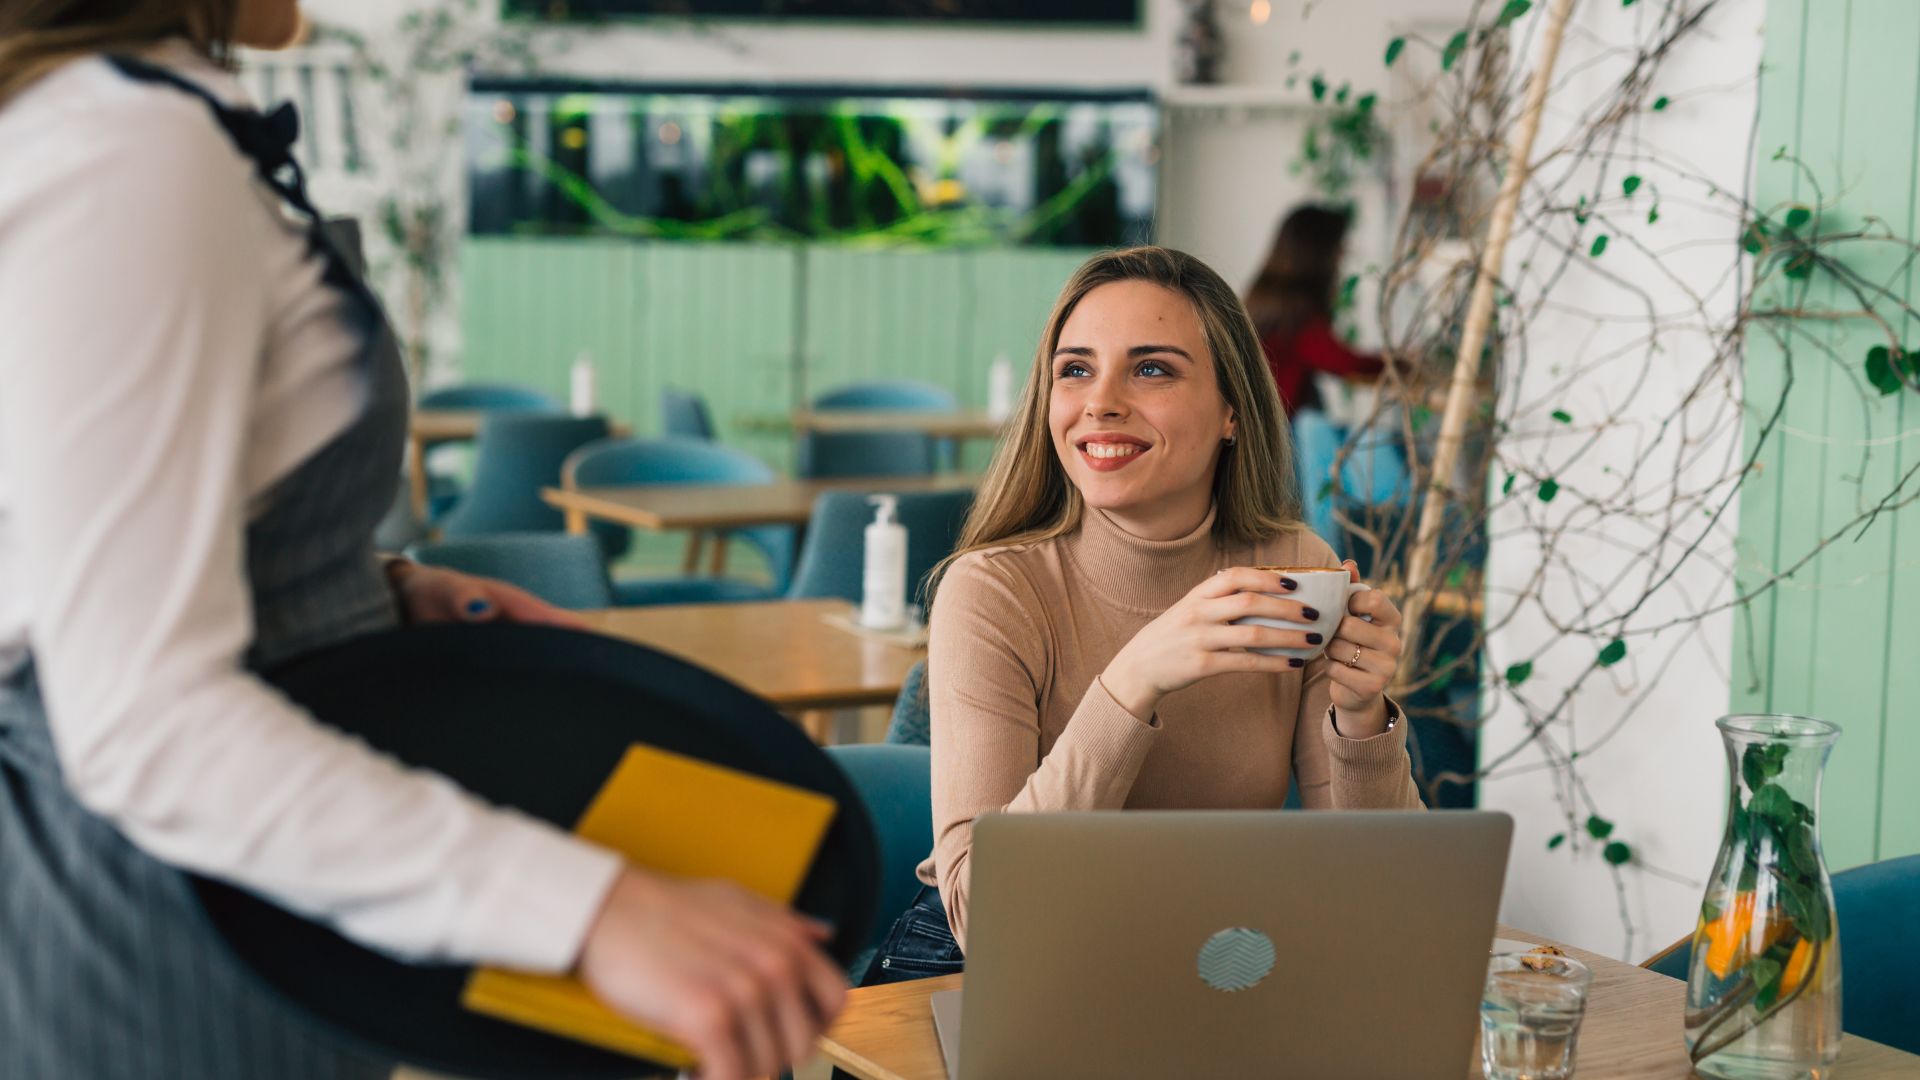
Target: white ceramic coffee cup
[{"x": 1325, "y": 591}]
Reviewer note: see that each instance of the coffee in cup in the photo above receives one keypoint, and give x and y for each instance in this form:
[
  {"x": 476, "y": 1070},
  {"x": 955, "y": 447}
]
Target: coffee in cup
[{"x": 1325, "y": 590}]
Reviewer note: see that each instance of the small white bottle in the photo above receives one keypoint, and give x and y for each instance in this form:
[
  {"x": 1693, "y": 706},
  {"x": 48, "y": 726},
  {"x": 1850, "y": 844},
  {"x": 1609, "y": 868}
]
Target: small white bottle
[
  {"x": 581, "y": 385},
  {"x": 883, "y": 591},
  {"x": 1000, "y": 388}
]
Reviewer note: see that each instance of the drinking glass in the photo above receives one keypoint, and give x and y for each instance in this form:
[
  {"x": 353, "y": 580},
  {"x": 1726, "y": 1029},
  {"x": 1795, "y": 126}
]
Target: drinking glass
[{"x": 1530, "y": 1015}]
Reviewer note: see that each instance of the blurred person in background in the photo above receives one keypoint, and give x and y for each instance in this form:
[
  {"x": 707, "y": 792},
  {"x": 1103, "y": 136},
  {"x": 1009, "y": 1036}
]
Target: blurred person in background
[
  {"x": 201, "y": 425},
  {"x": 1292, "y": 305}
]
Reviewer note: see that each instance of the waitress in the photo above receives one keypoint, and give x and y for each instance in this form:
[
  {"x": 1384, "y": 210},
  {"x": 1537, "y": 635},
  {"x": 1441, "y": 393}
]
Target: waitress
[{"x": 200, "y": 425}]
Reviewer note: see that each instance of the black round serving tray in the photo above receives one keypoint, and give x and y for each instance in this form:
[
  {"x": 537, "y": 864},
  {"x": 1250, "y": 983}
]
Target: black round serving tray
[{"x": 534, "y": 718}]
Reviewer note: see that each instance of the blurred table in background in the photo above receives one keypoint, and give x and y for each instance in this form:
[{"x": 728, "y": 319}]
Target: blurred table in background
[
  {"x": 782, "y": 650},
  {"x": 700, "y": 506},
  {"x": 971, "y": 424}
]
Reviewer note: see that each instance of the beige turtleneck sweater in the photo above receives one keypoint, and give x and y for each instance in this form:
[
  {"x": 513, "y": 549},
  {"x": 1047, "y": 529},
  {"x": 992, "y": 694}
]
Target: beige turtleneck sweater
[{"x": 1021, "y": 722}]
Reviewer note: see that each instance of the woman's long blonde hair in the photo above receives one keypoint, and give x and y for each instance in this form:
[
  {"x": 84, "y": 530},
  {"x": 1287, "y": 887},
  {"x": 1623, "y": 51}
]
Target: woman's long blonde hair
[
  {"x": 37, "y": 36},
  {"x": 1026, "y": 497}
]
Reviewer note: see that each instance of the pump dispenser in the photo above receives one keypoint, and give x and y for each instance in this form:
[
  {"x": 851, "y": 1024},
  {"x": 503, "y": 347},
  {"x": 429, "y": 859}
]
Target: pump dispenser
[{"x": 883, "y": 593}]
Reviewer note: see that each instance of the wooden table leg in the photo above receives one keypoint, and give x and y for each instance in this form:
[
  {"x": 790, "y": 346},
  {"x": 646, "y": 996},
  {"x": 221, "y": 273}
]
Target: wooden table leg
[
  {"x": 691, "y": 564},
  {"x": 417, "y": 477},
  {"x": 718, "y": 564}
]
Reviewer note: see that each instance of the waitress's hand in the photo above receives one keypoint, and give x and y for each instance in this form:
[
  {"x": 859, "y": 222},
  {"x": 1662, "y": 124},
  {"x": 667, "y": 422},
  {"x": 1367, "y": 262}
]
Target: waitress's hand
[
  {"x": 1362, "y": 659},
  {"x": 739, "y": 981},
  {"x": 1196, "y": 638},
  {"x": 433, "y": 594}
]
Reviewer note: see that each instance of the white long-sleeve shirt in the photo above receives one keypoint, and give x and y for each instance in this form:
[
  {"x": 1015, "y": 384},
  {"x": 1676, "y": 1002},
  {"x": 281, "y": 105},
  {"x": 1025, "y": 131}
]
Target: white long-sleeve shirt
[{"x": 167, "y": 353}]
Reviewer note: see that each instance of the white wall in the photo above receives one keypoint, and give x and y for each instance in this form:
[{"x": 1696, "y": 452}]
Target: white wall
[{"x": 1661, "y": 778}]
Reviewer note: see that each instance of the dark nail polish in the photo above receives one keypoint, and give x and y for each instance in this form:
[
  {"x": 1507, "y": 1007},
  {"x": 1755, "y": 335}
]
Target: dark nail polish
[
  {"x": 1313, "y": 639},
  {"x": 477, "y": 606},
  {"x": 1289, "y": 584},
  {"x": 1310, "y": 613},
  {"x": 1294, "y": 661}
]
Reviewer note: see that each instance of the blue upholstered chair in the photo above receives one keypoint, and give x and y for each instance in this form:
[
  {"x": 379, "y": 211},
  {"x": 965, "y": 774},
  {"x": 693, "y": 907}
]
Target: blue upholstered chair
[
  {"x": 834, "y": 556},
  {"x": 519, "y": 453},
  {"x": 682, "y": 461},
  {"x": 561, "y": 568},
  {"x": 1879, "y": 938},
  {"x": 895, "y": 784},
  {"x": 443, "y": 491},
  {"x": 685, "y": 416},
  {"x": 912, "y": 723},
  {"x": 504, "y": 397},
  {"x": 875, "y": 453}
]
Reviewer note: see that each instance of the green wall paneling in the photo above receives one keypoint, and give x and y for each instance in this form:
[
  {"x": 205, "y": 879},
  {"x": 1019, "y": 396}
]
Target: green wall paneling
[{"x": 1827, "y": 642}]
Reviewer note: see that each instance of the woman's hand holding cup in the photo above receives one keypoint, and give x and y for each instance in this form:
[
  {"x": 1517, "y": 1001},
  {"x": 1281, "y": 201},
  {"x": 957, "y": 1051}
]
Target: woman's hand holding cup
[
  {"x": 1363, "y": 649},
  {"x": 1203, "y": 634}
]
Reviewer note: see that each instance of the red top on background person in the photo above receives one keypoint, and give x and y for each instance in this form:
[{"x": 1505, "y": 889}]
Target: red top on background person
[{"x": 1291, "y": 302}]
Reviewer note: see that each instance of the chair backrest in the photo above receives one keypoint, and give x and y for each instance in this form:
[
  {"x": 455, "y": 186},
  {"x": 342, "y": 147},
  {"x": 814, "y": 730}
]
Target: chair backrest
[
  {"x": 900, "y": 395},
  {"x": 685, "y": 416},
  {"x": 679, "y": 461},
  {"x": 502, "y": 396},
  {"x": 1874, "y": 905},
  {"x": 833, "y": 559},
  {"x": 895, "y": 783},
  {"x": 912, "y": 722},
  {"x": 874, "y": 453},
  {"x": 561, "y": 568},
  {"x": 519, "y": 453}
]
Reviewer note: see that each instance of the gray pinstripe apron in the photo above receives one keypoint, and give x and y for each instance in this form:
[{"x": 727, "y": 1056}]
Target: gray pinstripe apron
[{"x": 107, "y": 967}]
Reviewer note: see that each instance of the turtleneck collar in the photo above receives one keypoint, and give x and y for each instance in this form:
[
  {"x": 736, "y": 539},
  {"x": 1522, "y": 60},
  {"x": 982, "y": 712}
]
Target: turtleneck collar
[{"x": 1134, "y": 573}]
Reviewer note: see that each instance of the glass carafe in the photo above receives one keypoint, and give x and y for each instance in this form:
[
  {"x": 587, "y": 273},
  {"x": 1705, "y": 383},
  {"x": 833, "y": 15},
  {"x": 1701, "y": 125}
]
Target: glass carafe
[{"x": 1763, "y": 986}]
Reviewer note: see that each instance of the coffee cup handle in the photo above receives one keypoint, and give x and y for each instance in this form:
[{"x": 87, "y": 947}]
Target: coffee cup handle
[{"x": 1355, "y": 588}]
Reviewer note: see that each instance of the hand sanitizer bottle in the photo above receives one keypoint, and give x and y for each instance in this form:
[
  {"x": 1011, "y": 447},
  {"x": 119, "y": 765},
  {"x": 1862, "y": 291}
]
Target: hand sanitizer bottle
[
  {"x": 883, "y": 593},
  {"x": 1000, "y": 388},
  {"x": 582, "y": 385}
]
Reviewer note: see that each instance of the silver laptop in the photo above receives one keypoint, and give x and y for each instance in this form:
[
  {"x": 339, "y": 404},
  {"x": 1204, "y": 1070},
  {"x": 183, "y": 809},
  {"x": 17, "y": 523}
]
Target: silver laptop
[{"x": 1226, "y": 944}]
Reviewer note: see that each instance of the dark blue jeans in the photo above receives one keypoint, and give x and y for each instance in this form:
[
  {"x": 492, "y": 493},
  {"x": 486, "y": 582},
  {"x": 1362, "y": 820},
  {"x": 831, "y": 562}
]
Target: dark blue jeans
[{"x": 920, "y": 945}]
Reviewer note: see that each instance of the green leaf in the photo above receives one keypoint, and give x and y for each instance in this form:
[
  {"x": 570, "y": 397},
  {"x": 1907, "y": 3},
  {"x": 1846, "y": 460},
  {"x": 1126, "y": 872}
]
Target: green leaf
[
  {"x": 1598, "y": 827},
  {"x": 1626, "y": 3},
  {"x": 1753, "y": 239},
  {"x": 1340, "y": 95},
  {"x": 1617, "y": 853},
  {"x": 1653, "y": 215},
  {"x": 1548, "y": 489},
  {"x": 1709, "y": 911},
  {"x": 1513, "y": 10},
  {"x": 1456, "y": 46},
  {"x": 1519, "y": 673},
  {"x": 1800, "y": 266},
  {"x": 1319, "y": 87},
  {"x": 1766, "y": 973},
  {"x": 1880, "y": 371},
  {"x": 1556, "y": 840},
  {"x": 1394, "y": 48},
  {"x": 1365, "y": 102},
  {"x": 1630, "y": 185},
  {"x": 1507, "y": 488},
  {"x": 1798, "y": 217},
  {"x": 1613, "y": 653},
  {"x": 1599, "y": 246},
  {"x": 1660, "y": 103},
  {"x": 1563, "y": 416},
  {"x": 1772, "y": 804}
]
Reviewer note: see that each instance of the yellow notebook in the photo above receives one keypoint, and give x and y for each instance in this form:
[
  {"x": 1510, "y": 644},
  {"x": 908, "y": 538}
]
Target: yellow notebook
[{"x": 679, "y": 816}]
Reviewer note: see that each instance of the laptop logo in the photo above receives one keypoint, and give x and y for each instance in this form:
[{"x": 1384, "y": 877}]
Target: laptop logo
[{"x": 1236, "y": 958}]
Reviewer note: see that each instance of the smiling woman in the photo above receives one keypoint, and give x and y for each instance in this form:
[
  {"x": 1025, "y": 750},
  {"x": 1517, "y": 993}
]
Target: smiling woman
[{"x": 1087, "y": 646}]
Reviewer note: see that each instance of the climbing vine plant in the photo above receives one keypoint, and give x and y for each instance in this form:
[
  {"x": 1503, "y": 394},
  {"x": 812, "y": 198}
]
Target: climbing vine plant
[{"x": 1537, "y": 475}]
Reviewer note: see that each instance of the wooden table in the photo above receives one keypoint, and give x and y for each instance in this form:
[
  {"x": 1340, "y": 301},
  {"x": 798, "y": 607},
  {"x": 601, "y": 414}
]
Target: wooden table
[
  {"x": 781, "y": 650},
  {"x": 702, "y": 506},
  {"x": 972, "y": 424},
  {"x": 1632, "y": 1030}
]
